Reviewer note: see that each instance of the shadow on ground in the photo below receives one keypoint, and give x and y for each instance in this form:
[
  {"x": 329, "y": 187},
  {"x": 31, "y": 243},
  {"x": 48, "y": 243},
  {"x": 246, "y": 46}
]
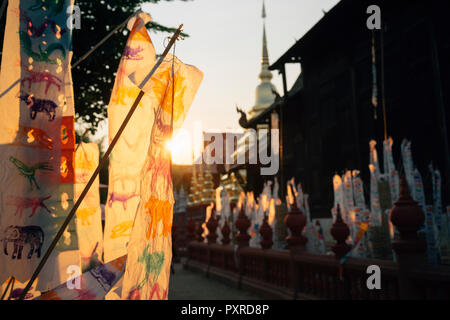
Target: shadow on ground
[{"x": 190, "y": 285}]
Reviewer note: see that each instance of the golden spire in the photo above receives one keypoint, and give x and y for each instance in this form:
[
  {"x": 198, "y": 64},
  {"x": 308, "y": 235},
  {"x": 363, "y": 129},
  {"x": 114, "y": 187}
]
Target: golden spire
[{"x": 208, "y": 194}]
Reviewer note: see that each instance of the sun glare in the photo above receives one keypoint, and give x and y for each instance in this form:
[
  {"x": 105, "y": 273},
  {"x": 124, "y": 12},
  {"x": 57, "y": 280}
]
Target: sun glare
[{"x": 181, "y": 147}]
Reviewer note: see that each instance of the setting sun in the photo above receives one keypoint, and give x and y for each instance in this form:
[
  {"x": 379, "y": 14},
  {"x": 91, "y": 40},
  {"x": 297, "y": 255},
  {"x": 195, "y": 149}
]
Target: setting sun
[{"x": 181, "y": 147}]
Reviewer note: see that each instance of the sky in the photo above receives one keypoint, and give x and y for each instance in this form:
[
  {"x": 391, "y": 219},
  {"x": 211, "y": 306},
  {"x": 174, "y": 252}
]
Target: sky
[{"x": 225, "y": 42}]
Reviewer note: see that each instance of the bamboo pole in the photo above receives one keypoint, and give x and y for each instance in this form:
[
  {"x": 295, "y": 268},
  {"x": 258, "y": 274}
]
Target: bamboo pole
[
  {"x": 10, "y": 283},
  {"x": 99, "y": 167}
]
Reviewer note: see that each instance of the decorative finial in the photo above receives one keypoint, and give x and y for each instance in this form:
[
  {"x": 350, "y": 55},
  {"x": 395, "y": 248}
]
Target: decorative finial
[{"x": 263, "y": 10}]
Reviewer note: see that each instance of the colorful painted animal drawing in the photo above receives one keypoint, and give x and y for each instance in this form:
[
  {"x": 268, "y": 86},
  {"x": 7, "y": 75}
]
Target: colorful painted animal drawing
[
  {"x": 22, "y": 203},
  {"x": 133, "y": 53},
  {"x": 92, "y": 260},
  {"x": 17, "y": 293},
  {"x": 122, "y": 229},
  {"x": 153, "y": 263},
  {"x": 82, "y": 177},
  {"x": 20, "y": 236},
  {"x": 114, "y": 196},
  {"x": 85, "y": 215},
  {"x": 36, "y": 77},
  {"x": 155, "y": 291},
  {"x": 42, "y": 55},
  {"x": 84, "y": 294},
  {"x": 29, "y": 172},
  {"x": 104, "y": 277},
  {"x": 38, "y": 31},
  {"x": 51, "y": 7},
  {"x": 159, "y": 164},
  {"x": 164, "y": 131},
  {"x": 39, "y": 105},
  {"x": 33, "y": 138},
  {"x": 50, "y": 295},
  {"x": 123, "y": 93},
  {"x": 134, "y": 294},
  {"x": 159, "y": 211}
]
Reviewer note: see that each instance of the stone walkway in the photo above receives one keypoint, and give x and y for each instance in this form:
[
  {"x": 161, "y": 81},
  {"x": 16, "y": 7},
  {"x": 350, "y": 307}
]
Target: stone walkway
[{"x": 191, "y": 285}]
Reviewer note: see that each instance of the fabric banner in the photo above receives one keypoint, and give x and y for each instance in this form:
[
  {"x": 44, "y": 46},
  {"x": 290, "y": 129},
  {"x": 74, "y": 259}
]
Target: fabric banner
[
  {"x": 128, "y": 156},
  {"x": 89, "y": 215},
  {"x": 408, "y": 165},
  {"x": 375, "y": 207},
  {"x": 149, "y": 250},
  {"x": 338, "y": 189},
  {"x": 389, "y": 170},
  {"x": 358, "y": 192},
  {"x": 91, "y": 285},
  {"x": 373, "y": 159},
  {"x": 37, "y": 120},
  {"x": 348, "y": 196}
]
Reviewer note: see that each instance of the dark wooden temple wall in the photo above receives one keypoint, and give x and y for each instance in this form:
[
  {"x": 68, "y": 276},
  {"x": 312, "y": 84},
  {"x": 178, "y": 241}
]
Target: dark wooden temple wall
[{"x": 328, "y": 125}]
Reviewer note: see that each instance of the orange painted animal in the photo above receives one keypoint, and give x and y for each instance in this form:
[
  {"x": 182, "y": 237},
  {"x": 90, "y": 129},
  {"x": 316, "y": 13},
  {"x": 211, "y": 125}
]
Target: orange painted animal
[{"x": 159, "y": 211}]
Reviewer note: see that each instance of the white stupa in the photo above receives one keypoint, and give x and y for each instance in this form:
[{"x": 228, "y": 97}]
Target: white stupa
[{"x": 264, "y": 96}]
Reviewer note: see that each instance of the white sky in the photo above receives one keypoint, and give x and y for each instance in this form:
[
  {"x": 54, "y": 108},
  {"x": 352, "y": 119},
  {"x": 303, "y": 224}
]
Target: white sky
[{"x": 226, "y": 44}]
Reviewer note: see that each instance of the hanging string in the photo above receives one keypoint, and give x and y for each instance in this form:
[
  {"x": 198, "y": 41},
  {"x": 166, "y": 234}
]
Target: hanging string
[{"x": 173, "y": 104}]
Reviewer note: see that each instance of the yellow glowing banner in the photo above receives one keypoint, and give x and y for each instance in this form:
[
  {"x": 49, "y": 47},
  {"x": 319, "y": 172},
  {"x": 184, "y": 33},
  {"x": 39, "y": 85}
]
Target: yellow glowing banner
[
  {"x": 128, "y": 156},
  {"x": 150, "y": 247},
  {"x": 89, "y": 215},
  {"x": 37, "y": 142}
]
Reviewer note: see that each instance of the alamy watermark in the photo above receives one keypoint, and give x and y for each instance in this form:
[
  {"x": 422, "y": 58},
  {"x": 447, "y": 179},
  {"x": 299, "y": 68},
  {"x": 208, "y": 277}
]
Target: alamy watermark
[
  {"x": 74, "y": 280},
  {"x": 252, "y": 146},
  {"x": 374, "y": 280},
  {"x": 74, "y": 19},
  {"x": 374, "y": 20}
]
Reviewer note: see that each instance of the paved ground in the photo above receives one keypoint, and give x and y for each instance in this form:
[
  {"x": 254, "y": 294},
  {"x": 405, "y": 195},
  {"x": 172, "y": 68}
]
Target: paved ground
[{"x": 190, "y": 285}]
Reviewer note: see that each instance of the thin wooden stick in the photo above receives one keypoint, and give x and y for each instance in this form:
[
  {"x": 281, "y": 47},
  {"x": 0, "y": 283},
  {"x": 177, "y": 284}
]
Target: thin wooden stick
[
  {"x": 11, "y": 281},
  {"x": 99, "y": 167}
]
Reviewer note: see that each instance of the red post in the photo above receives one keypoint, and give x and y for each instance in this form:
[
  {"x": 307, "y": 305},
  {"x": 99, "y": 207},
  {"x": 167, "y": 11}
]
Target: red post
[
  {"x": 295, "y": 221},
  {"x": 242, "y": 224},
  {"x": 267, "y": 234},
  {"x": 340, "y": 232},
  {"x": 225, "y": 232},
  {"x": 212, "y": 226},
  {"x": 408, "y": 217}
]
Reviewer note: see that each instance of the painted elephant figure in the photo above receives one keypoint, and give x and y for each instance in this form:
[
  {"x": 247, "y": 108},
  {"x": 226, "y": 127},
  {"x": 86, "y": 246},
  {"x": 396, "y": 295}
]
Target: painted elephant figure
[{"x": 20, "y": 236}]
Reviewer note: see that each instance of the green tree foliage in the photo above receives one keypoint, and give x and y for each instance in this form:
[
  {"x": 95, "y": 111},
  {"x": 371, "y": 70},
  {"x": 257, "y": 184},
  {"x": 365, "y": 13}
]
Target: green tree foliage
[{"x": 94, "y": 78}]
